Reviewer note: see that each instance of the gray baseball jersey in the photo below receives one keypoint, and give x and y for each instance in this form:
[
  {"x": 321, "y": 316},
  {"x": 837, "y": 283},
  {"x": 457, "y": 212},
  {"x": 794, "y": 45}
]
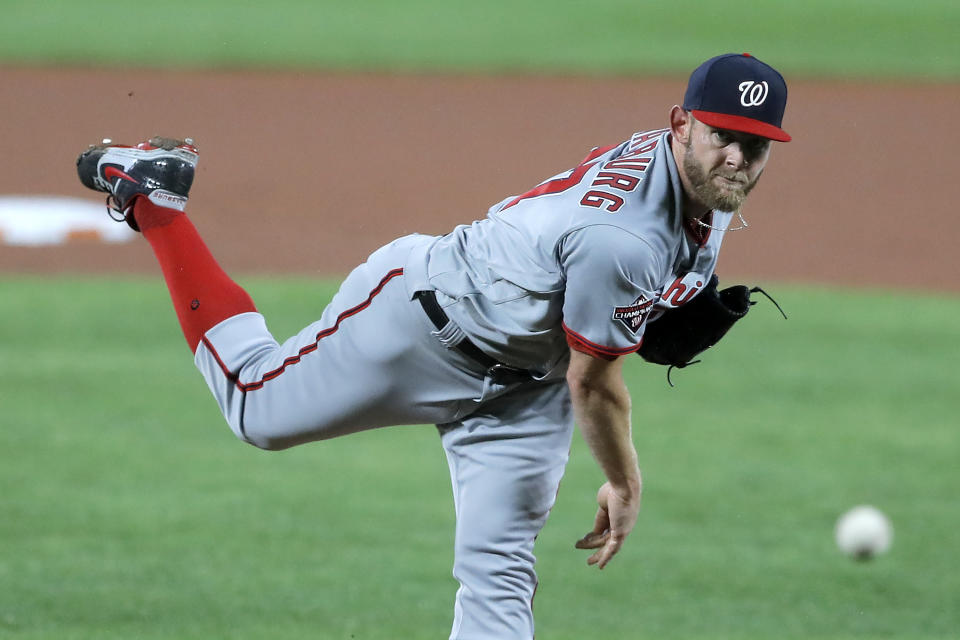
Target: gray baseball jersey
[{"x": 584, "y": 260}]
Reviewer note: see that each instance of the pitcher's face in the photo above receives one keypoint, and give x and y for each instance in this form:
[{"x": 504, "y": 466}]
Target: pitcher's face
[{"x": 722, "y": 166}]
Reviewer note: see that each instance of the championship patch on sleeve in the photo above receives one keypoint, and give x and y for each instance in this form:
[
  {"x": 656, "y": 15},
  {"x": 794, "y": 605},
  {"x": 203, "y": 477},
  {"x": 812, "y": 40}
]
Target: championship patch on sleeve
[{"x": 633, "y": 315}]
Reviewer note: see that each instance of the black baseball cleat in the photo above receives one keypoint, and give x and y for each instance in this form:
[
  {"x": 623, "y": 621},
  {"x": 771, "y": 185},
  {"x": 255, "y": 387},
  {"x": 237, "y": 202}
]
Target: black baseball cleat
[{"x": 160, "y": 169}]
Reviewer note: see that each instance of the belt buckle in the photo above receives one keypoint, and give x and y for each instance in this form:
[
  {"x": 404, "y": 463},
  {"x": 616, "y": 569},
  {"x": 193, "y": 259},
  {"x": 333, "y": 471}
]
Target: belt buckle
[{"x": 504, "y": 374}]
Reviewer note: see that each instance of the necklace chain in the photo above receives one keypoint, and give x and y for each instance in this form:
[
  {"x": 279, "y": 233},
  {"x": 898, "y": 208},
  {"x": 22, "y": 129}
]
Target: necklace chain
[{"x": 743, "y": 224}]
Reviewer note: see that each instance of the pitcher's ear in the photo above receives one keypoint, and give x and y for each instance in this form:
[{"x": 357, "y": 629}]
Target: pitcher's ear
[{"x": 681, "y": 121}]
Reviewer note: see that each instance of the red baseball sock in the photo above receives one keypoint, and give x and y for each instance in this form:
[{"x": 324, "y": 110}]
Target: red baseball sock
[{"x": 203, "y": 294}]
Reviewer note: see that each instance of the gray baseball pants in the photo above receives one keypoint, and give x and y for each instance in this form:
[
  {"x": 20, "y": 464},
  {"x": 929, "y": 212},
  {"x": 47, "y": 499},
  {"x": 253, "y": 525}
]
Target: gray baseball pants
[{"x": 374, "y": 360}]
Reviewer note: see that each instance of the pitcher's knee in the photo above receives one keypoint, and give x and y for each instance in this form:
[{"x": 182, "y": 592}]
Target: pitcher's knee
[
  {"x": 497, "y": 573},
  {"x": 268, "y": 439},
  {"x": 269, "y": 436},
  {"x": 268, "y": 443}
]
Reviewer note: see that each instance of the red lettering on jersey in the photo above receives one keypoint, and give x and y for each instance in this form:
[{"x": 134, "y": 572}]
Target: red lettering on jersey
[
  {"x": 598, "y": 198},
  {"x": 674, "y": 295},
  {"x": 611, "y": 177},
  {"x": 648, "y": 140},
  {"x": 558, "y": 185},
  {"x": 647, "y": 136},
  {"x": 615, "y": 180},
  {"x": 675, "y": 289},
  {"x": 621, "y": 181},
  {"x": 629, "y": 163},
  {"x": 647, "y": 148},
  {"x": 596, "y": 152}
]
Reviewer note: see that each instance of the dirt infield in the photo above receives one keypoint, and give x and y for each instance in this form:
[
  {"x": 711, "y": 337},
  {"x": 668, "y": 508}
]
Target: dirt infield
[{"x": 308, "y": 172}]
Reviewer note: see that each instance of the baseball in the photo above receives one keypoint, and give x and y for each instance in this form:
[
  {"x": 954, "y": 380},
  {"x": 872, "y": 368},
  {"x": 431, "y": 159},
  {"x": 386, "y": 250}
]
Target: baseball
[{"x": 863, "y": 532}]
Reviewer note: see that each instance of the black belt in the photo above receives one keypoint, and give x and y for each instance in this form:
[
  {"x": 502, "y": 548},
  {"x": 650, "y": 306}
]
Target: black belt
[{"x": 498, "y": 372}]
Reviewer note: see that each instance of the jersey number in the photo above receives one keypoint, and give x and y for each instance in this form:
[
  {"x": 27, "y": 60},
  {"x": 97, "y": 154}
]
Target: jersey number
[
  {"x": 595, "y": 197},
  {"x": 559, "y": 185}
]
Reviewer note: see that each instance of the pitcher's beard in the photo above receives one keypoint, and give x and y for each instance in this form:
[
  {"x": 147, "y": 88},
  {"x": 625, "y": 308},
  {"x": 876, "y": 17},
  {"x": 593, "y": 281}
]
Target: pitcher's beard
[{"x": 711, "y": 195}]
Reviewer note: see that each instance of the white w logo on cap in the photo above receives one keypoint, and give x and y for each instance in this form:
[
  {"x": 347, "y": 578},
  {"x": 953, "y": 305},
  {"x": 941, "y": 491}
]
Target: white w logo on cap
[{"x": 753, "y": 94}]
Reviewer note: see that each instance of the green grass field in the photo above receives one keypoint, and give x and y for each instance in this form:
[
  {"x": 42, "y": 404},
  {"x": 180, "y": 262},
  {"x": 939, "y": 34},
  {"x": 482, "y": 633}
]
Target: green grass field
[
  {"x": 129, "y": 510},
  {"x": 873, "y": 38}
]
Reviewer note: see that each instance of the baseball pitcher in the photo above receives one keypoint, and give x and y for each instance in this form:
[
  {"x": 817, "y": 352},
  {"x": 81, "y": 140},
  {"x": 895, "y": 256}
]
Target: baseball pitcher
[{"x": 504, "y": 333}]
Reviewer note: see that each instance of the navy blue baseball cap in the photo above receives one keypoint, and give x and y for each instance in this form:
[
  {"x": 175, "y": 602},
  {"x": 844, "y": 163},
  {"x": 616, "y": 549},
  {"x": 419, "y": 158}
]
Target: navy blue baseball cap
[{"x": 738, "y": 92}]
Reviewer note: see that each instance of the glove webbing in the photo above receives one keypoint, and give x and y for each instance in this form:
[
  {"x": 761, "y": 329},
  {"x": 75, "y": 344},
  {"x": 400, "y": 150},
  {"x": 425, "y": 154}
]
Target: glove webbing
[{"x": 750, "y": 303}]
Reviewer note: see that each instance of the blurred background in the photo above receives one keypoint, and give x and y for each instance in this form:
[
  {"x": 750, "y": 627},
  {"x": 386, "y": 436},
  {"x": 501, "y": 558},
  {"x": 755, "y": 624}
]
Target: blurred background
[{"x": 328, "y": 129}]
